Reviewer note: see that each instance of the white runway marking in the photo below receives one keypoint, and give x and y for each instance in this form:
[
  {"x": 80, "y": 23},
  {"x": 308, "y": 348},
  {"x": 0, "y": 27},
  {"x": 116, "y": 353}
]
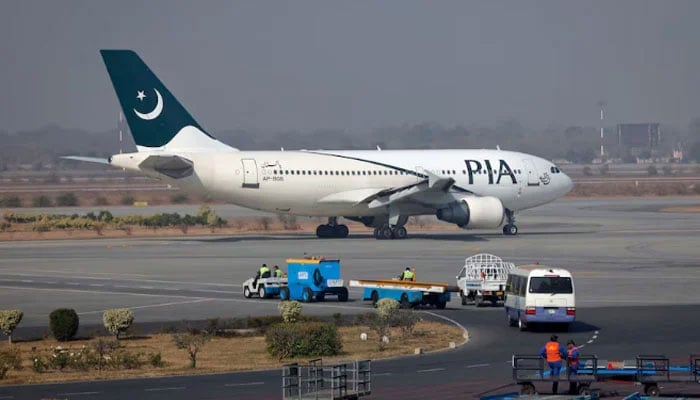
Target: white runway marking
[
  {"x": 479, "y": 365},
  {"x": 164, "y": 388},
  {"x": 175, "y": 303},
  {"x": 382, "y": 374},
  {"x": 77, "y": 394},
  {"x": 244, "y": 384},
  {"x": 420, "y": 371}
]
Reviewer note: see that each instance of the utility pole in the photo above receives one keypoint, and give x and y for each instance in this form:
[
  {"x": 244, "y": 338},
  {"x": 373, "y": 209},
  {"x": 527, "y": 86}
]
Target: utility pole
[{"x": 601, "y": 105}]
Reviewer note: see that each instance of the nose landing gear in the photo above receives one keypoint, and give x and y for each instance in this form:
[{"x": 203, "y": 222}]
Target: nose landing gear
[{"x": 510, "y": 228}]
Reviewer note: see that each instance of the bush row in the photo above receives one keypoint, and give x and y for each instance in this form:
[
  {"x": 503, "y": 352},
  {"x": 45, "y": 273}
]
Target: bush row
[
  {"x": 64, "y": 322},
  {"x": 103, "y": 219},
  {"x": 69, "y": 199}
]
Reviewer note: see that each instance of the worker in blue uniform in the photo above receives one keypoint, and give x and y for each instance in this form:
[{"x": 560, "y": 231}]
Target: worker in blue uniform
[{"x": 554, "y": 353}]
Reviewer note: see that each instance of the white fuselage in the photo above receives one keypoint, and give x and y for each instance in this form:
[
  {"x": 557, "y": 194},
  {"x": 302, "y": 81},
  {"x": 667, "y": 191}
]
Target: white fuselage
[{"x": 333, "y": 183}]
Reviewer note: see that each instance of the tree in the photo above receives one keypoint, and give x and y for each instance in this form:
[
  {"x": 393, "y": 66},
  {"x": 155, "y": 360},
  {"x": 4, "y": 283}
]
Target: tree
[
  {"x": 9, "y": 319},
  {"x": 192, "y": 343},
  {"x": 117, "y": 320}
]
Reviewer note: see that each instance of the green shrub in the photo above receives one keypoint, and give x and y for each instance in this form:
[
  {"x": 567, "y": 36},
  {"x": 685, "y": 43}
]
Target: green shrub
[
  {"x": 105, "y": 216},
  {"x": 67, "y": 200},
  {"x": 5, "y": 226},
  {"x": 386, "y": 307},
  {"x": 123, "y": 359},
  {"x": 117, "y": 320},
  {"x": 10, "y": 201},
  {"x": 41, "y": 201},
  {"x": 9, "y": 319},
  {"x": 303, "y": 340},
  {"x": 652, "y": 170},
  {"x": 9, "y": 359},
  {"x": 178, "y": 198},
  {"x": 63, "y": 324},
  {"x": 290, "y": 310},
  {"x": 156, "y": 360},
  {"x": 101, "y": 201}
]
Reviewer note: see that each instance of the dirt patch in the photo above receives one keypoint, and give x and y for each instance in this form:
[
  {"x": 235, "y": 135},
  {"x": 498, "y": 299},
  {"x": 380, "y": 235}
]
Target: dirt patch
[
  {"x": 225, "y": 354},
  {"x": 682, "y": 209}
]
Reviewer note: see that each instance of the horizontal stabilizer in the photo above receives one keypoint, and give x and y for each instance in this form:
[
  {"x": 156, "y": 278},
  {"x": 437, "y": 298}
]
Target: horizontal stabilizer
[{"x": 87, "y": 159}]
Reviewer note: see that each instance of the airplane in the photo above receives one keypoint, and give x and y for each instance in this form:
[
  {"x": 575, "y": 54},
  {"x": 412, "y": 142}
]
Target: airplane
[{"x": 474, "y": 189}]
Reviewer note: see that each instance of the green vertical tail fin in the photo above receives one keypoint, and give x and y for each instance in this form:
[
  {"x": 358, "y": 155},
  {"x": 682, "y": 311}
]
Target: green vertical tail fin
[{"x": 154, "y": 115}]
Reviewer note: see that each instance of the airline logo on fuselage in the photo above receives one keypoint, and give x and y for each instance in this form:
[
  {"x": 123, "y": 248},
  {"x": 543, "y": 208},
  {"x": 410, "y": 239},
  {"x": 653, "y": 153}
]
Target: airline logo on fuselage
[{"x": 485, "y": 167}]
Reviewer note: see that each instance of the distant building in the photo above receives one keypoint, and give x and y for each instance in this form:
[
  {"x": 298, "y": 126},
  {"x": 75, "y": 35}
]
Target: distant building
[{"x": 645, "y": 135}]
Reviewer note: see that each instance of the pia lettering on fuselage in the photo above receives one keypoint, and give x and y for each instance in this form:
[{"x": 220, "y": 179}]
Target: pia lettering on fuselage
[{"x": 495, "y": 175}]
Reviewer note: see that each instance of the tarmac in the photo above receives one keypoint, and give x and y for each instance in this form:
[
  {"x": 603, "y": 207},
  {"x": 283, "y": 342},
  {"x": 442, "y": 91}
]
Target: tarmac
[{"x": 635, "y": 270}]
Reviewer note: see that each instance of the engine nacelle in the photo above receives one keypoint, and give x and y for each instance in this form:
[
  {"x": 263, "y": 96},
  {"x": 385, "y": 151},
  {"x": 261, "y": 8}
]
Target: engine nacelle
[{"x": 474, "y": 212}]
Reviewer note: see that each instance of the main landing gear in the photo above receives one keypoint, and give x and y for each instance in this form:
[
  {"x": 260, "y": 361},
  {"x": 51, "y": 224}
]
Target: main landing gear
[
  {"x": 386, "y": 232},
  {"x": 332, "y": 229},
  {"x": 510, "y": 228}
]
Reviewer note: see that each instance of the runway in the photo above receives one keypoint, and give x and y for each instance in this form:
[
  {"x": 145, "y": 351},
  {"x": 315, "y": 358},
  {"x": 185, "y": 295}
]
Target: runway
[{"x": 635, "y": 267}]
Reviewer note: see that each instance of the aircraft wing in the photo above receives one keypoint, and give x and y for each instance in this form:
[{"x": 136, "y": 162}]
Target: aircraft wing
[
  {"x": 432, "y": 184},
  {"x": 380, "y": 197}
]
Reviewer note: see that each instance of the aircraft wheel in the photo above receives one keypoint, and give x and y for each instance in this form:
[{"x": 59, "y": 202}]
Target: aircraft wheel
[
  {"x": 385, "y": 233},
  {"x": 323, "y": 231},
  {"x": 510, "y": 229},
  {"x": 246, "y": 293},
  {"x": 400, "y": 233},
  {"x": 341, "y": 231}
]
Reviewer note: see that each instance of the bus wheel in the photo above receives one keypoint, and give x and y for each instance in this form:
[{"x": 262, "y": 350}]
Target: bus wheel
[
  {"x": 511, "y": 321},
  {"x": 521, "y": 325}
]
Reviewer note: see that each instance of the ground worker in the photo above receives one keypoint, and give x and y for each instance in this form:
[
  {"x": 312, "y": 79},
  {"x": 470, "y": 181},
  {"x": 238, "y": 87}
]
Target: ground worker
[
  {"x": 553, "y": 352},
  {"x": 277, "y": 272},
  {"x": 407, "y": 274},
  {"x": 572, "y": 357},
  {"x": 263, "y": 272}
]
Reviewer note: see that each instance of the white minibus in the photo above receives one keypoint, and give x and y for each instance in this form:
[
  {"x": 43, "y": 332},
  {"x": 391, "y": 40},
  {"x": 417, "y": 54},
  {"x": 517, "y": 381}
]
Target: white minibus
[{"x": 540, "y": 294}]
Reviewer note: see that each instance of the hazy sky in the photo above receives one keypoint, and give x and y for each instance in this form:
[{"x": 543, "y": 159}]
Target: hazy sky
[{"x": 356, "y": 65}]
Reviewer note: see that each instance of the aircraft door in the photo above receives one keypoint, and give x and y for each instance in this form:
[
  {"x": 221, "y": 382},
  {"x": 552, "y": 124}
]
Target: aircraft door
[
  {"x": 532, "y": 179},
  {"x": 250, "y": 174}
]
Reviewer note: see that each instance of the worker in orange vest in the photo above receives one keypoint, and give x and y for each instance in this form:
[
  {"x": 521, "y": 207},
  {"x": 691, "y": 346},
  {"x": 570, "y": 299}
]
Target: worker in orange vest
[
  {"x": 554, "y": 353},
  {"x": 572, "y": 357}
]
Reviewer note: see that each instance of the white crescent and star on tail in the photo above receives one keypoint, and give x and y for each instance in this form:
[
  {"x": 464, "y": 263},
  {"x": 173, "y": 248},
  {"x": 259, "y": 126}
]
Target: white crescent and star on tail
[{"x": 156, "y": 111}]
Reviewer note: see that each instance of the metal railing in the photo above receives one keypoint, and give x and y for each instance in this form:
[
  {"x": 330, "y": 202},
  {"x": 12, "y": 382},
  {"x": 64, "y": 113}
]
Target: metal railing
[{"x": 315, "y": 381}]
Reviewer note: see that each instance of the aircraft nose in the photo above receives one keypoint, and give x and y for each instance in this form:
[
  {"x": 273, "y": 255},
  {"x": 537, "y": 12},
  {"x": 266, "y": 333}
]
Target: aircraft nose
[{"x": 568, "y": 183}]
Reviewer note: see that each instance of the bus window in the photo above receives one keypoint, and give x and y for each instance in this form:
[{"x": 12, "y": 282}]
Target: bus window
[
  {"x": 522, "y": 286},
  {"x": 551, "y": 284}
]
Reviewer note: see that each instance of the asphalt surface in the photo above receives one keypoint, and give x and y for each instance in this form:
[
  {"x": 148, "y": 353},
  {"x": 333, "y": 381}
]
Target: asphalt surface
[{"x": 635, "y": 268}]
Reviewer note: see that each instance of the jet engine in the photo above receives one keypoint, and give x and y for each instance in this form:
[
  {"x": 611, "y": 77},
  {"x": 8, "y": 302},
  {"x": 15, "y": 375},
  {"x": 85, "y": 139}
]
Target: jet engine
[{"x": 473, "y": 212}]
